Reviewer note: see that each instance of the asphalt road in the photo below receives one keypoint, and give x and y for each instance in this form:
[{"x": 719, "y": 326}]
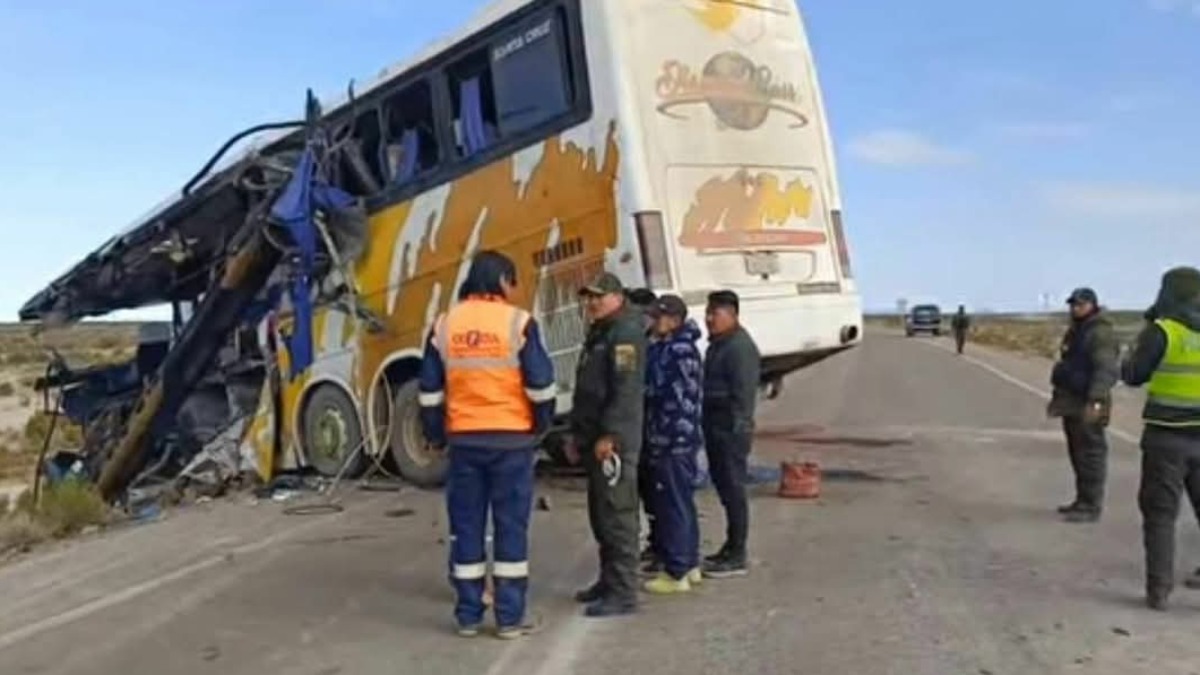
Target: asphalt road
[{"x": 934, "y": 549}]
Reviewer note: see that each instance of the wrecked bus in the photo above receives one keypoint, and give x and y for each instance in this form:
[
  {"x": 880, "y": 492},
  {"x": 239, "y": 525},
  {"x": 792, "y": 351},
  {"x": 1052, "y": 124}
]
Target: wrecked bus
[{"x": 681, "y": 144}]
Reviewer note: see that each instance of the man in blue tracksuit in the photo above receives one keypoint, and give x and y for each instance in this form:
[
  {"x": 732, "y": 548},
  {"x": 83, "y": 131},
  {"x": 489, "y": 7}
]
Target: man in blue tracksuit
[
  {"x": 674, "y": 439},
  {"x": 487, "y": 390}
]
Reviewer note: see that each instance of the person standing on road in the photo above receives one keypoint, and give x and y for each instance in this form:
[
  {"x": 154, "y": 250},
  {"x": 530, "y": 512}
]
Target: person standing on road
[
  {"x": 1083, "y": 379},
  {"x": 606, "y": 431},
  {"x": 643, "y": 299},
  {"x": 1167, "y": 357},
  {"x": 960, "y": 323},
  {"x": 731, "y": 378},
  {"x": 673, "y": 441},
  {"x": 487, "y": 391}
]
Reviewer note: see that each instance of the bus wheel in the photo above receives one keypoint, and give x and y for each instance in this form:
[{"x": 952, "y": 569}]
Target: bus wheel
[
  {"x": 330, "y": 432},
  {"x": 407, "y": 444}
]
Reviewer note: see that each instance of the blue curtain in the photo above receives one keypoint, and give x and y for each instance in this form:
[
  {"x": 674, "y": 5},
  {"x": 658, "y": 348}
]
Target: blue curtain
[
  {"x": 410, "y": 142},
  {"x": 475, "y": 136}
]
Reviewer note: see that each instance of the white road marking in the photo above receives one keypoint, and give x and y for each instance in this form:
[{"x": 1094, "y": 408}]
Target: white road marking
[
  {"x": 131, "y": 592},
  {"x": 1017, "y": 382}
]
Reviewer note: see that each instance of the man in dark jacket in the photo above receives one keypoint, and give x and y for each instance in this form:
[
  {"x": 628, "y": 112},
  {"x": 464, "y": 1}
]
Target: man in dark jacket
[
  {"x": 960, "y": 324},
  {"x": 606, "y": 428},
  {"x": 1083, "y": 379},
  {"x": 673, "y": 441},
  {"x": 1167, "y": 358},
  {"x": 731, "y": 378},
  {"x": 643, "y": 299}
]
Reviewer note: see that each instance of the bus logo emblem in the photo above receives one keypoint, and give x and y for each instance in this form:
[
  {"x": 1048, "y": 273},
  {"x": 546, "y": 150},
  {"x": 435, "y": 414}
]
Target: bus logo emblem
[
  {"x": 750, "y": 210},
  {"x": 739, "y": 92}
]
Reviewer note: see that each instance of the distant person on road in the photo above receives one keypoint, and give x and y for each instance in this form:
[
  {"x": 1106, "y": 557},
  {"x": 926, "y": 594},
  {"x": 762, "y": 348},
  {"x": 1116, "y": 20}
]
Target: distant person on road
[
  {"x": 1083, "y": 378},
  {"x": 487, "y": 391},
  {"x": 731, "y": 376},
  {"x": 606, "y": 428},
  {"x": 1167, "y": 357},
  {"x": 674, "y": 438},
  {"x": 960, "y": 323}
]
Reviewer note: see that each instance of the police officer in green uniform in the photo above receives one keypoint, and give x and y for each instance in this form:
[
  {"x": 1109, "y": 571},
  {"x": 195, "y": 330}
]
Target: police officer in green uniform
[
  {"x": 606, "y": 430},
  {"x": 1167, "y": 357},
  {"x": 1083, "y": 379}
]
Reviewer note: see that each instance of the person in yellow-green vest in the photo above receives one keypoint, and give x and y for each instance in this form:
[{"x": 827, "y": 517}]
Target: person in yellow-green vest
[{"x": 1166, "y": 359}]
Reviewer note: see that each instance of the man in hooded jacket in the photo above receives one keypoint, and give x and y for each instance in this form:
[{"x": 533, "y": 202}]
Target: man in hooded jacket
[
  {"x": 1167, "y": 359},
  {"x": 1083, "y": 379},
  {"x": 674, "y": 438}
]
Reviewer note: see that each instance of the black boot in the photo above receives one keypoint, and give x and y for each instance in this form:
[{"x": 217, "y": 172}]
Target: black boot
[
  {"x": 607, "y": 607},
  {"x": 590, "y": 594},
  {"x": 1067, "y": 508}
]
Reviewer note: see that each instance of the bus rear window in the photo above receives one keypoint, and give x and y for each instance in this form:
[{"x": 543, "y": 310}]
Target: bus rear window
[{"x": 529, "y": 72}]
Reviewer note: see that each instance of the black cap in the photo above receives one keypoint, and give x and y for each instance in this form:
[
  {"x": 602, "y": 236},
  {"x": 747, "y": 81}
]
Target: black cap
[
  {"x": 669, "y": 305},
  {"x": 724, "y": 299},
  {"x": 643, "y": 297},
  {"x": 1083, "y": 294},
  {"x": 603, "y": 284}
]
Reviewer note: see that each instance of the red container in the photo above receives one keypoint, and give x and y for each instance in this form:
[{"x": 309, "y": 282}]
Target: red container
[{"x": 799, "y": 480}]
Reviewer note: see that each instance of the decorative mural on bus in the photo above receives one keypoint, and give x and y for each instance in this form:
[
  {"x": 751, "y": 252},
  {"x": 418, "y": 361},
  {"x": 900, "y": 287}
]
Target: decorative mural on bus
[
  {"x": 743, "y": 20},
  {"x": 749, "y": 209},
  {"x": 740, "y": 93}
]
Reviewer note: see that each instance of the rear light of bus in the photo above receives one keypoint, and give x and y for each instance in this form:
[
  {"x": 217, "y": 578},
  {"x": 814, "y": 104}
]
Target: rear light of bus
[
  {"x": 652, "y": 241},
  {"x": 843, "y": 251}
]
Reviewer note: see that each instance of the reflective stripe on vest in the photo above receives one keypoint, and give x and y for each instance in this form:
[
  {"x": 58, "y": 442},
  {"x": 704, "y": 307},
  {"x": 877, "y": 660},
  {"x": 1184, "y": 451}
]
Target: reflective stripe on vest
[
  {"x": 1173, "y": 393},
  {"x": 480, "y": 343}
]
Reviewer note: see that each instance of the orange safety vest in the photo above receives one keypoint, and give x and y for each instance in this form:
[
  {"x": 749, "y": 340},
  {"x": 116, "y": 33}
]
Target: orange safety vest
[{"x": 480, "y": 341}]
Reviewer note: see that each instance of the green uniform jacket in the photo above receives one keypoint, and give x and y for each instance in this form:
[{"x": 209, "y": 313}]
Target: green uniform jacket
[
  {"x": 1103, "y": 349},
  {"x": 610, "y": 382}
]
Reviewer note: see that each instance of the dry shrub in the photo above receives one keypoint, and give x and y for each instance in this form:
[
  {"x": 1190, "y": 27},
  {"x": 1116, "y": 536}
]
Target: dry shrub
[
  {"x": 67, "y": 434},
  {"x": 1038, "y": 338},
  {"x": 21, "y": 531},
  {"x": 7, "y": 389},
  {"x": 69, "y": 506}
]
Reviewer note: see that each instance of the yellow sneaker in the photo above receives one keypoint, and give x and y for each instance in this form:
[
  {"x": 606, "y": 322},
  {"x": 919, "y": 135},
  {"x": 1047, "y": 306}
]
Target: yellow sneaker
[
  {"x": 695, "y": 576},
  {"x": 663, "y": 584}
]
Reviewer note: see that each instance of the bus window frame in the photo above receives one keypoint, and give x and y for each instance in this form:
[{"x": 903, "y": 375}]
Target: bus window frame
[{"x": 434, "y": 70}]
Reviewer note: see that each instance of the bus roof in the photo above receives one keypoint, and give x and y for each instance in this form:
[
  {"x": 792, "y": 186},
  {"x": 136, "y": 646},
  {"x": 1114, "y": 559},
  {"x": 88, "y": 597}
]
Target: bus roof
[{"x": 170, "y": 215}]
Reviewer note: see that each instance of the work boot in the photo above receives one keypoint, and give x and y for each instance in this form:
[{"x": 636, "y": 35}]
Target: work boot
[
  {"x": 590, "y": 594},
  {"x": 721, "y": 554},
  {"x": 528, "y": 626},
  {"x": 729, "y": 566},
  {"x": 607, "y": 607},
  {"x": 1157, "y": 600},
  {"x": 1067, "y": 508},
  {"x": 1193, "y": 580},
  {"x": 1082, "y": 515},
  {"x": 665, "y": 584}
]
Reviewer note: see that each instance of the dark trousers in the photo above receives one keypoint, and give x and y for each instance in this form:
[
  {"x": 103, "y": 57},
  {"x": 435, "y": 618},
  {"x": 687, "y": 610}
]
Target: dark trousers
[
  {"x": 613, "y": 515},
  {"x": 677, "y": 537},
  {"x": 1170, "y": 466},
  {"x": 1087, "y": 446},
  {"x": 646, "y": 496},
  {"x": 960, "y": 339},
  {"x": 729, "y": 468},
  {"x": 479, "y": 480}
]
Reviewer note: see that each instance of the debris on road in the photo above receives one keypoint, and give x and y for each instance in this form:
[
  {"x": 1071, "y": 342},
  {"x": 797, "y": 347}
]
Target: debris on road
[
  {"x": 1117, "y": 630},
  {"x": 543, "y": 503}
]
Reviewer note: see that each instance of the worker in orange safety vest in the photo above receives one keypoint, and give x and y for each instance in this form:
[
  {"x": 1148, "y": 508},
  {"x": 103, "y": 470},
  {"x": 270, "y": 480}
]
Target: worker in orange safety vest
[{"x": 487, "y": 392}]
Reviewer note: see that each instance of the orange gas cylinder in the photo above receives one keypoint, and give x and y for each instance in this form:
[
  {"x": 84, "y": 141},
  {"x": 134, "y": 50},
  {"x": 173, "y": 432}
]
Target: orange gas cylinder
[{"x": 799, "y": 480}]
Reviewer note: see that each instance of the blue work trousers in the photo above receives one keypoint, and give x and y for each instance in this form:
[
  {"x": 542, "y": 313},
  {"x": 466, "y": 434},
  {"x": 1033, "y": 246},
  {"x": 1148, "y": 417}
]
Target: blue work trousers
[
  {"x": 677, "y": 525},
  {"x": 480, "y": 479}
]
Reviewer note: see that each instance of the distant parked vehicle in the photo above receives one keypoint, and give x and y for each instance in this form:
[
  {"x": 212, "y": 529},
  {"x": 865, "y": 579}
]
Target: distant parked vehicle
[{"x": 924, "y": 319}]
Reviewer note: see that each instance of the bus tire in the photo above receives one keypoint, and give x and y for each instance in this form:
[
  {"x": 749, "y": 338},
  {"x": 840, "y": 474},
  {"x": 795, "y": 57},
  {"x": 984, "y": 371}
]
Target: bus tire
[
  {"x": 406, "y": 442},
  {"x": 330, "y": 431}
]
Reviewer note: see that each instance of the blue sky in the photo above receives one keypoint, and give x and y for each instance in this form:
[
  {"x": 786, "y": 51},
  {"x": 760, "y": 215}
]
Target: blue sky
[{"x": 988, "y": 152}]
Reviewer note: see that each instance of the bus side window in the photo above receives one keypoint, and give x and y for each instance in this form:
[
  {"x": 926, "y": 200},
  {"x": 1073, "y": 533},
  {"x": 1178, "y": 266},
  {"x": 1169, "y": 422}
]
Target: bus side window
[
  {"x": 530, "y": 71},
  {"x": 410, "y": 148},
  {"x": 474, "y": 100}
]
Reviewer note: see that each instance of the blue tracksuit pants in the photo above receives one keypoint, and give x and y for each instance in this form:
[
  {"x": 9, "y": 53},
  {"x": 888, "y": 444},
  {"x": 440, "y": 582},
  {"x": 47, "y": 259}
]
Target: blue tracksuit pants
[
  {"x": 677, "y": 525},
  {"x": 479, "y": 480}
]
